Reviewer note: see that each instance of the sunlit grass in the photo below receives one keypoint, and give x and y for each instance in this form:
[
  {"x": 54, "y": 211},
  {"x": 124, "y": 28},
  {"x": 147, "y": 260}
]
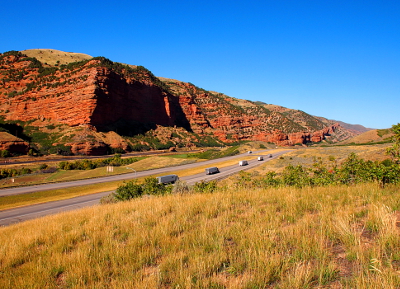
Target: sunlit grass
[{"x": 333, "y": 237}]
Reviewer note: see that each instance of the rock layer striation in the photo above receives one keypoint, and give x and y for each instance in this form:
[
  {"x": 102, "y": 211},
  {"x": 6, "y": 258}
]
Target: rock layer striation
[{"x": 107, "y": 96}]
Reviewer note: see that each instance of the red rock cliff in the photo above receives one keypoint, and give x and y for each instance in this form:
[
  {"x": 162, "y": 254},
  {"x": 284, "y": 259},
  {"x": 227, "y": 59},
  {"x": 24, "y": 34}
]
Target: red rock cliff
[
  {"x": 90, "y": 94},
  {"x": 108, "y": 96}
]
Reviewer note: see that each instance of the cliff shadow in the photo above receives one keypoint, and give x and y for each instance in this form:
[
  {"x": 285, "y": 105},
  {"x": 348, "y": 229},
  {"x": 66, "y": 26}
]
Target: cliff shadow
[
  {"x": 128, "y": 128},
  {"x": 135, "y": 108},
  {"x": 15, "y": 130}
]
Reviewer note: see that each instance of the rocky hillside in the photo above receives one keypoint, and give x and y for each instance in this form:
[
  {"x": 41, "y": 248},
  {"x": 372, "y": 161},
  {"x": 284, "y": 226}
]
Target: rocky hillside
[
  {"x": 80, "y": 103},
  {"x": 11, "y": 143}
]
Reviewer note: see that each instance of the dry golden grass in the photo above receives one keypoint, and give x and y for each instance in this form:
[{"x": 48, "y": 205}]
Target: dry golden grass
[
  {"x": 51, "y": 56},
  {"x": 336, "y": 237},
  {"x": 369, "y": 136},
  {"x": 328, "y": 155},
  {"x": 4, "y": 136}
]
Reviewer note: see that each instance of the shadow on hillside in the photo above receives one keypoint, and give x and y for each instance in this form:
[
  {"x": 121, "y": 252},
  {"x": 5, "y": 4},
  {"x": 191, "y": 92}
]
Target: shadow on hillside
[{"x": 15, "y": 130}]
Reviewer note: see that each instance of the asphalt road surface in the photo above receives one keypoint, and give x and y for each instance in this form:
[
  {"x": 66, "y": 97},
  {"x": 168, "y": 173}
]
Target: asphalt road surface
[{"x": 16, "y": 215}]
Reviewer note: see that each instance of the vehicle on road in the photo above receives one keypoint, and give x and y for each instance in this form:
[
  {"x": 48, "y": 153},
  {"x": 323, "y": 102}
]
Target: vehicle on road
[
  {"x": 212, "y": 170},
  {"x": 168, "y": 179},
  {"x": 243, "y": 163},
  {"x": 249, "y": 152},
  {"x": 260, "y": 158},
  {"x": 270, "y": 155}
]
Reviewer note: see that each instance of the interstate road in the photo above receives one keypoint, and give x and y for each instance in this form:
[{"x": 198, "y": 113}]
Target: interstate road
[{"x": 16, "y": 215}]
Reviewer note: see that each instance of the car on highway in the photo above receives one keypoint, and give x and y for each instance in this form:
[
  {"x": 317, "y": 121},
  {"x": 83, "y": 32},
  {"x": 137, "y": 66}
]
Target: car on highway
[{"x": 260, "y": 158}]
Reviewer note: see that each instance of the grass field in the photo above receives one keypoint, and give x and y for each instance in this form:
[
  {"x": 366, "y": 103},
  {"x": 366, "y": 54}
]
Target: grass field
[
  {"x": 328, "y": 155},
  {"x": 51, "y": 56},
  {"x": 334, "y": 237},
  {"x": 237, "y": 237}
]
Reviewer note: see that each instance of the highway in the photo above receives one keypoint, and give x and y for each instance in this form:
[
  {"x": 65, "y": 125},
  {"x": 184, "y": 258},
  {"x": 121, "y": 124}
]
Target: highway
[{"x": 16, "y": 215}]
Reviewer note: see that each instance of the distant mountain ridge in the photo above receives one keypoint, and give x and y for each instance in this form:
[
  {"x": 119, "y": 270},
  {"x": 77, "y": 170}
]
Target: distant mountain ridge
[
  {"x": 99, "y": 96},
  {"x": 353, "y": 127}
]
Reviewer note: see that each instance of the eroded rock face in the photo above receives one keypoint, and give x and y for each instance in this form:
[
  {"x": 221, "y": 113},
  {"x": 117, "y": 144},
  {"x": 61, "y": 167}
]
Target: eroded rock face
[
  {"x": 13, "y": 144},
  {"x": 89, "y": 148},
  {"x": 300, "y": 138},
  {"x": 106, "y": 97},
  {"x": 19, "y": 147}
]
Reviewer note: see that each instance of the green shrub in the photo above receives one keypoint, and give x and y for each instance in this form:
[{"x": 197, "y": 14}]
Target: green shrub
[
  {"x": 86, "y": 164},
  {"x": 205, "y": 187},
  {"x": 270, "y": 180},
  {"x": 128, "y": 191},
  {"x": 152, "y": 187},
  {"x": 295, "y": 176},
  {"x": 50, "y": 126},
  {"x": 60, "y": 149},
  {"x": 43, "y": 166},
  {"x": 132, "y": 189},
  {"x": 5, "y": 154},
  {"x": 353, "y": 170},
  {"x": 7, "y": 173},
  {"x": 140, "y": 147}
]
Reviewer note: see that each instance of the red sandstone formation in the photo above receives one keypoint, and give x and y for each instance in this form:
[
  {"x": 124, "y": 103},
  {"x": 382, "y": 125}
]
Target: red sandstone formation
[
  {"x": 104, "y": 96},
  {"x": 12, "y": 144},
  {"x": 89, "y": 148}
]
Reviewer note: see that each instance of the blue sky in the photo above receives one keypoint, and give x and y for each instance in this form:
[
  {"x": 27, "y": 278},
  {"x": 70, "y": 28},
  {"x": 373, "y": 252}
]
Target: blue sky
[{"x": 336, "y": 59}]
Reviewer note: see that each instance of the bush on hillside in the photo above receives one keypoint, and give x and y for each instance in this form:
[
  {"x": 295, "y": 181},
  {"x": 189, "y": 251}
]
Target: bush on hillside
[
  {"x": 205, "y": 187},
  {"x": 353, "y": 171},
  {"x": 8, "y": 173},
  {"x": 92, "y": 164},
  {"x": 128, "y": 191},
  {"x": 132, "y": 189},
  {"x": 5, "y": 154}
]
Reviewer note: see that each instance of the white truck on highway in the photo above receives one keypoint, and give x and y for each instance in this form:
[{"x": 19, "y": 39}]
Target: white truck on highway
[
  {"x": 243, "y": 163},
  {"x": 168, "y": 179}
]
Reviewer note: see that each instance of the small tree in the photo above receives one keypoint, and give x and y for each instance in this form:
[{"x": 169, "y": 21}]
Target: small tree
[
  {"x": 5, "y": 154},
  {"x": 128, "y": 191},
  {"x": 295, "y": 176},
  {"x": 394, "y": 151},
  {"x": 205, "y": 187},
  {"x": 152, "y": 187},
  {"x": 43, "y": 166}
]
